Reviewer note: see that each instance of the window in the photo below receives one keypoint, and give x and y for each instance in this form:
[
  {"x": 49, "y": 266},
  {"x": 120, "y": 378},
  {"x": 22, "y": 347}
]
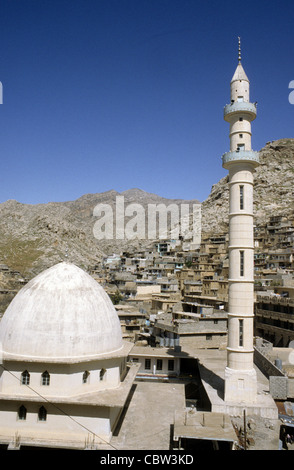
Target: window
[
  {"x": 102, "y": 374},
  {"x": 147, "y": 364},
  {"x": 86, "y": 376},
  {"x": 42, "y": 415},
  {"x": 241, "y": 136},
  {"x": 241, "y": 384},
  {"x": 46, "y": 378},
  {"x": 240, "y": 98},
  {"x": 22, "y": 413},
  {"x": 241, "y": 197},
  {"x": 240, "y": 119},
  {"x": 171, "y": 364},
  {"x": 241, "y": 325},
  {"x": 159, "y": 364},
  {"x": 25, "y": 378},
  {"x": 242, "y": 263}
]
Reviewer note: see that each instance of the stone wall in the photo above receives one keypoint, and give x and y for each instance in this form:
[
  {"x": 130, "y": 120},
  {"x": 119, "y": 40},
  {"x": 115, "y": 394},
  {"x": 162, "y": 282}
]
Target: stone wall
[{"x": 207, "y": 341}]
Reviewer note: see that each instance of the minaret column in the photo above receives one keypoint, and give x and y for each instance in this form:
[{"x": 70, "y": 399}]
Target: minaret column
[
  {"x": 241, "y": 268},
  {"x": 240, "y": 375}
]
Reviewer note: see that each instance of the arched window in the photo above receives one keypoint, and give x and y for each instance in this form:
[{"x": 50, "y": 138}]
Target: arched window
[
  {"x": 22, "y": 413},
  {"x": 25, "y": 378},
  {"x": 102, "y": 374},
  {"x": 42, "y": 415},
  {"x": 45, "y": 378},
  {"x": 86, "y": 376}
]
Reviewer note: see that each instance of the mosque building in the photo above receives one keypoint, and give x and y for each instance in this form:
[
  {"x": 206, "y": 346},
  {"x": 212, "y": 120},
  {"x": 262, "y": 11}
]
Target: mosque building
[{"x": 64, "y": 373}]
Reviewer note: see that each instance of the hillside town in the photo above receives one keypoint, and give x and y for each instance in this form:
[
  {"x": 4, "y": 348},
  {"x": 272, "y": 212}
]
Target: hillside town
[
  {"x": 171, "y": 298},
  {"x": 169, "y": 280}
]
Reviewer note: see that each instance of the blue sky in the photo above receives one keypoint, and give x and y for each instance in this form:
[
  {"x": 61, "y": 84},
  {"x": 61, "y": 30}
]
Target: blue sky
[{"x": 117, "y": 94}]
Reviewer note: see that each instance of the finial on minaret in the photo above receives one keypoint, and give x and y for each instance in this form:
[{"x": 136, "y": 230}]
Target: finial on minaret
[{"x": 239, "y": 53}]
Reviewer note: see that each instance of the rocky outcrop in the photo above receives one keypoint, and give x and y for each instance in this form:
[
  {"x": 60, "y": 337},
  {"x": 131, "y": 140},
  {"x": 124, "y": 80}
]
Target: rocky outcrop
[
  {"x": 273, "y": 189},
  {"x": 35, "y": 237}
]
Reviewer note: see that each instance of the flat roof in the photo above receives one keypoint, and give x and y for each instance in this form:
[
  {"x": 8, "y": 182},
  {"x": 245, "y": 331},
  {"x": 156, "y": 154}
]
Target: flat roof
[
  {"x": 144, "y": 351},
  {"x": 203, "y": 425}
]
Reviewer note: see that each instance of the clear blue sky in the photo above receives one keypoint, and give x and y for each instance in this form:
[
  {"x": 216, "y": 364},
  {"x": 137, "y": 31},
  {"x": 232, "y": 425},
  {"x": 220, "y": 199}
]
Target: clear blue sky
[{"x": 116, "y": 94}]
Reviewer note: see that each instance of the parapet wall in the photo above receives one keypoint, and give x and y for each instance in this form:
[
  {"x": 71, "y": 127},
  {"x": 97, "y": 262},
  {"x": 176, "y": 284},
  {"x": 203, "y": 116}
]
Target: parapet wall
[{"x": 278, "y": 380}]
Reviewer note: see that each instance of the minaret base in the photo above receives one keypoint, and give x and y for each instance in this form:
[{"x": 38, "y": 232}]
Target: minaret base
[{"x": 240, "y": 386}]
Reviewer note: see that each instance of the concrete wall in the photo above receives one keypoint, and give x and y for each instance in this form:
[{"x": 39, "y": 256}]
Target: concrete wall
[
  {"x": 278, "y": 381},
  {"x": 203, "y": 341},
  {"x": 267, "y": 367},
  {"x": 146, "y": 290}
]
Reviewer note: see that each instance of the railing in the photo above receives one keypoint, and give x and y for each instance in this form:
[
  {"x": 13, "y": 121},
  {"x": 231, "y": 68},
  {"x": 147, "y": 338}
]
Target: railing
[
  {"x": 240, "y": 106},
  {"x": 241, "y": 155}
]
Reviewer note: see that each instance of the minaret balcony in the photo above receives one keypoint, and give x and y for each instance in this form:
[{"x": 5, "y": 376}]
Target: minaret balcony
[
  {"x": 239, "y": 156},
  {"x": 240, "y": 107}
]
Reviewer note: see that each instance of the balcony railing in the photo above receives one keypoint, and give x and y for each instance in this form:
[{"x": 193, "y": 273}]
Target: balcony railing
[
  {"x": 241, "y": 155},
  {"x": 240, "y": 106}
]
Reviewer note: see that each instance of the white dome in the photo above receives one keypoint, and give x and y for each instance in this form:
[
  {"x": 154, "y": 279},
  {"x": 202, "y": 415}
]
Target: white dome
[{"x": 61, "y": 314}]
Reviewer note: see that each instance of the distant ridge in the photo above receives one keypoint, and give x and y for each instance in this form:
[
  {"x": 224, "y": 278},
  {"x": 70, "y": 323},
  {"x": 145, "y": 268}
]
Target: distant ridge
[{"x": 34, "y": 237}]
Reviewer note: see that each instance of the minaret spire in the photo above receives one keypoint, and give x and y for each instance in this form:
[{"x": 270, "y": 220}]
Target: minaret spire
[{"x": 239, "y": 51}]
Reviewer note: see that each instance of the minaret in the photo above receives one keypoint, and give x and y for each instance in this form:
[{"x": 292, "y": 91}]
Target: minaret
[{"x": 240, "y": 375}]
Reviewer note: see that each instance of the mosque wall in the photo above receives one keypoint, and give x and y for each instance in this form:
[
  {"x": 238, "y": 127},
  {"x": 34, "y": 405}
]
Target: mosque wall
[
  {"x": 69, "y": 422},
  {"x": 62, "y": 379}
]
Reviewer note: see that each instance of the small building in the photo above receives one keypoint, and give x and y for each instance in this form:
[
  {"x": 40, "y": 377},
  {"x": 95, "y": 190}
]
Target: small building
[
  {"x": 163, "y": 363},
  {"x": 196, "y": 325},
  {"x": 132, "y": 321},
  {"x": 155, "y": 362},
  {"x": 274, "y": 320}
]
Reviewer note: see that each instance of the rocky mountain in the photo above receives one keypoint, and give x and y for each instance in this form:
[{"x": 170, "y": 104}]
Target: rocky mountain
[
  {"x": 273, "y": 189},
  {"x": 34, "y": 237}
]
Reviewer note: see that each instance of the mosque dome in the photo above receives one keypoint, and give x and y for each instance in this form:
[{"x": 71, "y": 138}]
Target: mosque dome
[{"x": 62, "y": 314}]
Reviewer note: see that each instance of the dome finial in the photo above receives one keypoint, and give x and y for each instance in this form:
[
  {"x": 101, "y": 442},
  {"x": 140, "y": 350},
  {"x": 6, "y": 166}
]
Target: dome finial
[{"x": 239, "y": 52}]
